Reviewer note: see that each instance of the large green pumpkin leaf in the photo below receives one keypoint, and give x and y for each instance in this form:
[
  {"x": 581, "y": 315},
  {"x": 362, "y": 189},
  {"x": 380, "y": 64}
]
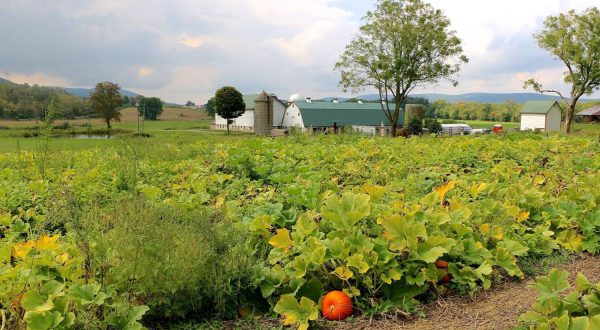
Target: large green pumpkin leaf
[
  {"x": 345, "y": 212},
  {"x": 297, "y": 313}
]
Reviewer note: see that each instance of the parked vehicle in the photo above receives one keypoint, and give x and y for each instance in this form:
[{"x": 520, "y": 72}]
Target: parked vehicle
[{"x": 456, "y": 129}]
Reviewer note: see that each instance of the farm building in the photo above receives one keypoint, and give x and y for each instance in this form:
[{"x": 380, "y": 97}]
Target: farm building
[
  {"x": 590, "y": 115},
  {"x": 305, "y": 114},
  {"x": 246, "y": 122},
  {"x": 544, "y": 115},
  {"x": 366, "y": 118}
]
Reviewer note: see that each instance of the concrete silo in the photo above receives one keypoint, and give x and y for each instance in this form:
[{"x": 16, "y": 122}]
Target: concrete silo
[{"x": 263, "y": 114}]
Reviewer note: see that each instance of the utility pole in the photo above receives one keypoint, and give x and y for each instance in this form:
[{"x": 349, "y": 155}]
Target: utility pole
[{"x": 138, "y": 115}]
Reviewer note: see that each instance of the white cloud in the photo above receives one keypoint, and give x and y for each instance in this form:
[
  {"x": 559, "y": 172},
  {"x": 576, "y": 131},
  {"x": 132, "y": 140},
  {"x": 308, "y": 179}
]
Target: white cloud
[
  {"x": 185, "y": 49},
  {"x": 38, "y": 78}
]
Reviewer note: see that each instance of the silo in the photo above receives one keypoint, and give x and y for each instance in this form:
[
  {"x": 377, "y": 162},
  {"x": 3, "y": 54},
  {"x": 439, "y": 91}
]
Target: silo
[
  {"x": 414, "y": 110},
  {"x": 263, "y": 114}
]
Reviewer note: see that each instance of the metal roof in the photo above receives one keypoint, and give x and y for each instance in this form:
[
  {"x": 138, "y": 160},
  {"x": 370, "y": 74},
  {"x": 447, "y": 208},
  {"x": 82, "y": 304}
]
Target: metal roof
[
  {"x": 318, "y": 114},
  {"x": 249, "y": 100},
  {"x": 539, "y": 107},
  {"x": 594, "y": 111}
]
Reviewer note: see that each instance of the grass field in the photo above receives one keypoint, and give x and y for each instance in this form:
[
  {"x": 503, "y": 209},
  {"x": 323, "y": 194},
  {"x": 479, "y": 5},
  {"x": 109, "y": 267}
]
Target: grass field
[
  {"x": 588, "y": 129},
  {"x": 175, "y": 125}
]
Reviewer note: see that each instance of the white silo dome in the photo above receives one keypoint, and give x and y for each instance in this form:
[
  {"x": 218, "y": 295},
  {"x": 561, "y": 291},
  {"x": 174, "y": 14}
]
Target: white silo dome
[{"x": 296, "y": 97}]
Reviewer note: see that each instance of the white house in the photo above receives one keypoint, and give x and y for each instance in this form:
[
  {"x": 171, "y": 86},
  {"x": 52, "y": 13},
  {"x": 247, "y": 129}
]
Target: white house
[
  {"x": 544, "y": 115},
  {"x": 245, "y": 122}
]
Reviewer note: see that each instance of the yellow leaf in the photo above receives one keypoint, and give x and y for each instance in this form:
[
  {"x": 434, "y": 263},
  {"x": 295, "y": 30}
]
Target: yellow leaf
[
  {"x": 539, "y": 180},
  {"x": 22, "y": 249},
  {"x": 219, "y": 202},
  {"x": 512, "y": 210},
  {"x": 47, "y": 243},
  {"x": 455, "y": 205},
  {"x": 343, "y": 273},
  {"x": 523, "y": 215},
  {"x": 352, "y": 292},
  {"x": 398, "y": 204},
  {"x": 477, "y": 189},
  {"x": 442, "y": 190},
  {"x": 282, "y": 240},
  {"x": 62, "y": 258},
  {"x": 375, "y": 191},
  {"x": 484, "y": 228}
]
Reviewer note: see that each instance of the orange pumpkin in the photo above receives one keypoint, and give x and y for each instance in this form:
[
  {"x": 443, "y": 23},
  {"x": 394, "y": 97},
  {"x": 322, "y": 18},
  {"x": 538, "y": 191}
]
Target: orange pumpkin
[
  {"x": 446, "y": 279},
  {"x": 336, "y": 306},
  {"x": 441, "y": 263}
]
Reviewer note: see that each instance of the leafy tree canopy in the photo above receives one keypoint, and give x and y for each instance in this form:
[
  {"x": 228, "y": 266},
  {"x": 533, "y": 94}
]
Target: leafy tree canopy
[
  {"x": 106, "y": 100},
  {"x": 575, "y": 40},
  {"x": 402, "y": 45},
  {"x": 150, "y": 107},
  {"x": 229, "y": 103}
]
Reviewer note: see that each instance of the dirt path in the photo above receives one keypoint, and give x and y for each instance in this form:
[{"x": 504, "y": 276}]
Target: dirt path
[{"x": 498, "y": 308}]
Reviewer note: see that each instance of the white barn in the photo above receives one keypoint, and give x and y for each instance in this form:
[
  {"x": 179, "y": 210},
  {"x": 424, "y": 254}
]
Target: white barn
[
  {"x": 245, "y": 122},
  {"x": 543, "y": 115}
]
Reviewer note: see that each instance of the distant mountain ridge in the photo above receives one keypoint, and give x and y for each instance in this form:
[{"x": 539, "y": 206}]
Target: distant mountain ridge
[
  {"x": 76, "y": 91},
  {"x": 479, "y": 97},
  {"x": 85, "y": 92},
  {"x": 4, "y": 81}
]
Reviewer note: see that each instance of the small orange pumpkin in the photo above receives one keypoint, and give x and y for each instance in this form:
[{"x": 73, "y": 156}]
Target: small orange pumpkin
[
  {"x": 336, "y": 306},
  {"x": 446, "y": 279},
  {"x": 441, "y": 263}
]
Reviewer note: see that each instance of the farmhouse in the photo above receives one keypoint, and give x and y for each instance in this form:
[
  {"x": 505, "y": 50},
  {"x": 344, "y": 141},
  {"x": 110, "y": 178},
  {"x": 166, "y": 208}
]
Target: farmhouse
[
  {"x": 306, "y": 114},
  {"x": 246, "y": 121},
  {"x": 544, "y": 115},
  {"x": 590, "y": 115}
]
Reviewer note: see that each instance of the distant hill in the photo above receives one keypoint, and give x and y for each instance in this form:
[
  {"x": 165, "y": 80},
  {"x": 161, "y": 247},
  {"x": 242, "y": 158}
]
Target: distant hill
[
  {"x": 479, "y": 97},
  {"x": 4, "y": 81},
  {"x": 85, "y": 92}
]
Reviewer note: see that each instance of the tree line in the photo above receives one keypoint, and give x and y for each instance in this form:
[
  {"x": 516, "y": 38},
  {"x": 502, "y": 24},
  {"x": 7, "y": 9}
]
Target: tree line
[
  {"x": 19, "y": 102},
  {"x": 26, "y": 102}
]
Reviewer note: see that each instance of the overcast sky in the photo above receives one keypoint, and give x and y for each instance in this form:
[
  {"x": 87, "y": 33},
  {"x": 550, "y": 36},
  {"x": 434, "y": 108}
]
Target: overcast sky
[{"x": 184, "y": 50}]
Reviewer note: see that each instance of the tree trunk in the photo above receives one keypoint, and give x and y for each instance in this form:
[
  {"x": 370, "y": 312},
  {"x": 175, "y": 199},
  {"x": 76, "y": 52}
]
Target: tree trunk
[
  {"x": 228, "y": 126},
  {"x": 393, "y": 128},
  {"x": 569, "y": 117},
  {"x": 107, "y": 123}
]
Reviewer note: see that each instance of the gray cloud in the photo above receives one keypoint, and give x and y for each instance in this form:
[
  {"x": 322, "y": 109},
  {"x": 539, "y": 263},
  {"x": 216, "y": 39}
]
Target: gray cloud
[{"x": 185, "y": 49}]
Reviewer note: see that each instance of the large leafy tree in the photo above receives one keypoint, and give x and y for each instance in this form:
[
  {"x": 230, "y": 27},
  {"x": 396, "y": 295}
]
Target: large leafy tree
[
  {"x": 150, "y": 107},
  {"x": 575, "y": 40},
  {"x": 403, "y": 44},
  {"x": 106, "y": 100},
  {"x": 229, "y": 104}
]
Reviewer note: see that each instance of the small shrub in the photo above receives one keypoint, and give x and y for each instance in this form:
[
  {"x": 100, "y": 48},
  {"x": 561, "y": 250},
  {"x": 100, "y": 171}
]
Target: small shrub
[
  {"x": 191, "y": 264},
  {"x": 64, "y": 125},
  {"x": 414, "y": 127},
  {"x": 433, "y": 125}
]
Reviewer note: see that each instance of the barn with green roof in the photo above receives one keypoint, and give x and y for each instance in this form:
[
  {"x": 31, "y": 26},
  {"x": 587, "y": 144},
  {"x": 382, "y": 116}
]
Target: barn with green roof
[
  {"x": 367, "y": 118},
  {"x": 542, "y": 115}
]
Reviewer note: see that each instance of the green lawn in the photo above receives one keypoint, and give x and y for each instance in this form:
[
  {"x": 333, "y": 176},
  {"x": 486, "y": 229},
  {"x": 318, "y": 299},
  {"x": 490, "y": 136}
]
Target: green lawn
[
  {"x": 587, "y": 129},
  {"x": 162, "y": 131}
]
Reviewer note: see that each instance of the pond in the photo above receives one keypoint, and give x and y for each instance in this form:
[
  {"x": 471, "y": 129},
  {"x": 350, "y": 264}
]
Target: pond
[{"x": 85, "y": 136}]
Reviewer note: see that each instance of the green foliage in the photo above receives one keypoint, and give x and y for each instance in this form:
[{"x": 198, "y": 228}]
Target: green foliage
[
  {"x": 150, "y": 107},
  {"x": 210, "y": 107},
  {"x": 18, "y": 102},
  {"x": 414, "y": 126},
  {"x": 579, "y": 309},
  {"x": 575, "y": 40},
  {"x": 401, "y": 44},
  {"x": 106, "y": 100},
  {"x": 229, "y": 228},
  {"x": 508, "y": 111},
  {"x": 228, "y": 103},
  {"x": 433, "y": 125},
  {"x": 182, "y": 265}
]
